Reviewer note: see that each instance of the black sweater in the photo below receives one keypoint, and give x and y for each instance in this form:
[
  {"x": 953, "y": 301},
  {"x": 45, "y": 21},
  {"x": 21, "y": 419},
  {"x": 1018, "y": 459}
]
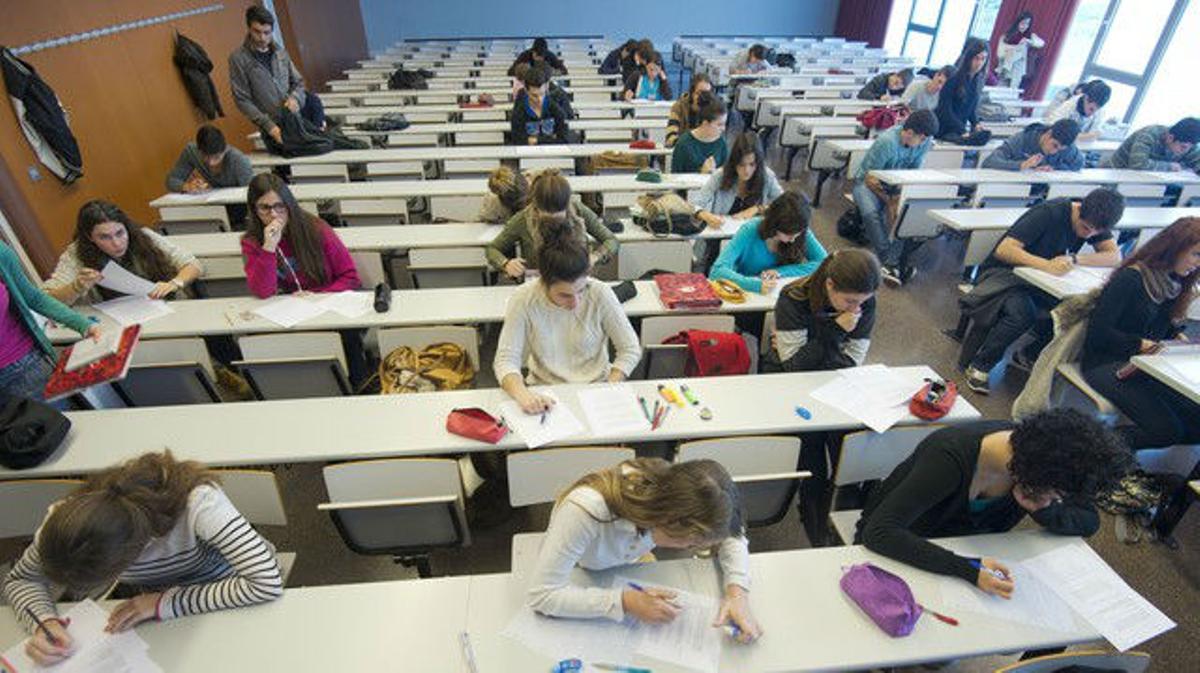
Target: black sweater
[
  {"x": 549, "y": 128},
  {"x": 877, "y": 87},
  {"x": 1123, "y": 316},
  {"x": 526, "y": 56},
  {"x": 825, "y": 343},
  {"x": 958, "y": 107},
  {"x": 928, "y": 495}
]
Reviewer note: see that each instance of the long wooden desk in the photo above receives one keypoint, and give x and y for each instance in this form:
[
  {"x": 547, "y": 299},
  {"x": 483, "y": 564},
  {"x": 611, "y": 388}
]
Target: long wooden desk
[
  {"x": 381, "y": 426},
  {"x": 465, "y": 152}
]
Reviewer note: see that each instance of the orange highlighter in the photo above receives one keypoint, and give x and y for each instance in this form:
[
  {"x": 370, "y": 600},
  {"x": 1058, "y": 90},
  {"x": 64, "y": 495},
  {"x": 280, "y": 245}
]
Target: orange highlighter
[{"x": 670, "y": 395}]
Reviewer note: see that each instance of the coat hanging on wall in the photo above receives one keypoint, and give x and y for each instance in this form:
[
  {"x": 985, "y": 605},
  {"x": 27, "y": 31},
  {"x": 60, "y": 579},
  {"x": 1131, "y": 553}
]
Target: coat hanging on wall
[
  {"x": 195, "y": 68},
  {"x": 42, "y": 117}
]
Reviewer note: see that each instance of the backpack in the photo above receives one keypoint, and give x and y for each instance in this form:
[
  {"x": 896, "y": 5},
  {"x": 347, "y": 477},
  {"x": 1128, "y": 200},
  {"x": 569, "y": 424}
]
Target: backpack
[
  {"x": 611, "y": 160},
  {"x": 713, "y": 353},
  {"x": 440, "y": 366},
  {"x": 880, "y": 118},
  {"x": 389, "y": 122},
  {"x": 667, "y": 213},
  {"x": 785, "y": 60},
  {"x": 407, "y": 79},
  {"x": 850, "y": 226}
]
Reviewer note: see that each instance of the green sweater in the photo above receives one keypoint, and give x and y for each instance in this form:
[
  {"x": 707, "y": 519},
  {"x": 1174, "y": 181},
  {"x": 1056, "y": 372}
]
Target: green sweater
[
  {"x": 29, "y": 300},
  {"x": 516, "y": 232},
  {"x": 690, "y": 154}
]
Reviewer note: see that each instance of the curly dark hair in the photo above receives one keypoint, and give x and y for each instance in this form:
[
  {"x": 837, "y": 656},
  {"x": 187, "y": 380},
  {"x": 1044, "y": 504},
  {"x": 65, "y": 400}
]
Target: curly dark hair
[{"x": 1069, "y": 452}]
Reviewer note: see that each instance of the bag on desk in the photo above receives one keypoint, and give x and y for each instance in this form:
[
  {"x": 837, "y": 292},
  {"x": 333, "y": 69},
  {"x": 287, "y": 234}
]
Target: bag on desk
[
  {"x": 884, "y": 597},
  {"x": 475, "y": 423},
  {"x": 29, "y": 431},
  {"x": 663, "y": 214},
  {"x": 880, "y": 118},
  {"x": 934, "y": 400},
  {"x": 440, "y": 366},
  {"x": 713, "y": 353}
]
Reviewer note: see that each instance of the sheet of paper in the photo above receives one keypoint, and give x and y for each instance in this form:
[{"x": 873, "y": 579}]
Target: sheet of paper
[
  {"x": 349, "y": 303},
  {"x": 289, "y": 311},
  {"x": 86, "y": 351},
  {"x": 1098, "y": 594},
  {"x": 922, "y": 175},
  {"x": 874, "y": 394},
  {"x": 134, "y": 310},
  {"x": 95, "y": 650},
  {"x": 1188, "y": 368},
  {"x": 559, "y": 423},
  {"x": 690, "y": 640},
  {"x": 1032, "y": 603},
  {"x": 586, "y": 639},
  {"x": 119, "y": 279},
  {"x": 613, "y": 408}
]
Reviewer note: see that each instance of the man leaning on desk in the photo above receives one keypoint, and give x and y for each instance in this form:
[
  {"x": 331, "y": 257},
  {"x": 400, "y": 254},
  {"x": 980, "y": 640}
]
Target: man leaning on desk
[{"x": 1039, "y": 148}]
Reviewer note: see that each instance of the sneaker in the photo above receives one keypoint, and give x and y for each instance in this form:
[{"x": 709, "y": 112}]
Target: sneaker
[
  {"x": 978, "y": 381},
  {"x": 892, "y": 277}
]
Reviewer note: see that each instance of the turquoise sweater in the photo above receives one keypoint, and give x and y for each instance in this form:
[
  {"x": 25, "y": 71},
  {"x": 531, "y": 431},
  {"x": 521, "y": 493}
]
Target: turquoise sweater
[
  {"x": 747, "y": 255},
  {"x": 29, "y": 300}
]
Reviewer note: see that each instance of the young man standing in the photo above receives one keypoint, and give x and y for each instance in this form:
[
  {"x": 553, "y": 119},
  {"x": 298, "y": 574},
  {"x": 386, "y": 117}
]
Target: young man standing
[
  {"x": 1157, "y": 148},
  {"x": 895, "y": 148},
  {"x": 208, "y": 163},
  {"x": 1047, "y": 237},
  {"x": 1039, "y": 148},
  {"x": 265, "y": 81}
]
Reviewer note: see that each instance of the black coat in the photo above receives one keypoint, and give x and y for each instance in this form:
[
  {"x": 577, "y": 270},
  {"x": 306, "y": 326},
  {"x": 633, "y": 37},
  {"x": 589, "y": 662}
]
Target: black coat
[
  {"x": 195, "y": 68},
  {"x": 42, "y": 118}
]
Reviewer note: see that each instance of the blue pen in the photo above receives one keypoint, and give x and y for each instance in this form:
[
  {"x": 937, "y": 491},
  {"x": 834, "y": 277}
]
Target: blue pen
[
  {"x": 804, "y": 413},
  {"x": 731, "y": 629},
  {"x": 978, "y": 565}
]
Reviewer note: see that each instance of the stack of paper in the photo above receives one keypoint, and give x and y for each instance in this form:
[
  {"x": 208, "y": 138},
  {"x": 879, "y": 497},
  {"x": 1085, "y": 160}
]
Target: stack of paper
[
  {"x": 541, "y": 429},
  {"x": 874, "y": 394},
  {"x": 349, "y": 303},
  {"x": 1032, "y": 603},
  {"x": 613, "y": 409},
  {"x": 289, "y": 311},
  {"x": 134, "y": 310},
  {"x": 94, "y": 650}
]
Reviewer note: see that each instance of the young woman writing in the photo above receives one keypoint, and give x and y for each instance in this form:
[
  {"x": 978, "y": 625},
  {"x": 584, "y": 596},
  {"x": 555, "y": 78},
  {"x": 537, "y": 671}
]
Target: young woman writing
[
  {"x": 780, "y": 244},
  {"x": 702, "y": 149},
  {"x": 508, "y": 193}
]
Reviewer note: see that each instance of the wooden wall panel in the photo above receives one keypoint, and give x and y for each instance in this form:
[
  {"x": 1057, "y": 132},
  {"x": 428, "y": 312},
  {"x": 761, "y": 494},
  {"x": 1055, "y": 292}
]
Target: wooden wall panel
[
  {"x": 127, "y": 105},
  {"x": 324, "y": 37}
]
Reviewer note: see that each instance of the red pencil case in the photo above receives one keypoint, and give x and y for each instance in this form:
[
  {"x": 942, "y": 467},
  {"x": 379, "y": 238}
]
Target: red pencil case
[
  {"x": 642, "y": 144},
  {"x": 475, "y": 423}
]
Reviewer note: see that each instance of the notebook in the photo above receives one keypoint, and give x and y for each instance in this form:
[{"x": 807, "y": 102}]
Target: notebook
[
  {"x": 105, "y": 368},
  {"x": 686, "y": 290}
]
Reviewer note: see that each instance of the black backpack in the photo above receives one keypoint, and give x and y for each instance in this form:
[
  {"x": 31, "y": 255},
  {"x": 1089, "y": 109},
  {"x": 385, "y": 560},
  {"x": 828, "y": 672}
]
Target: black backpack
[
  {"x": 30, "y": 431},
  {"x": 785, "y": 60},
  {"x": 389, "y": 122},
  {"x": 407, "y": 79},
  {"x": 300, "y": 137},
  {"x": 850, "y": 227}
]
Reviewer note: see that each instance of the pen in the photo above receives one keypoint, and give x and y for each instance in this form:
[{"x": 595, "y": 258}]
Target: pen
[
  {"x": 468, "y": 653},
  {"x": 940, "y": 617},
  {"x": 42, "y": 626},
  {"x": 543, "y": 421},
  {"x": 978, "y": 565},
  {"x": 687, "y": 392},
  {"x": 637, "y": 587},
  {"x": 645, "y": 410},
  {"x": 804, "y": 413}
]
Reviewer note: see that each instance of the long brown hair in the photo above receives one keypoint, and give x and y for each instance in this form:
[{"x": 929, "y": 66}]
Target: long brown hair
[
  {"x": 851, "y": 270},
  {"x": 1163, "y": 251},
  {"x": 549, "y": 199},
  {"x": 97, "y": 531},
  {"x": 746, "y": 143},
  {"x": 510, "y": 187},
  {"x": 303, "y": 230},
  {"x": 788, "y": 214},
  {"x": 142, "y": 252},
  {"x": 688, "y": 500}
]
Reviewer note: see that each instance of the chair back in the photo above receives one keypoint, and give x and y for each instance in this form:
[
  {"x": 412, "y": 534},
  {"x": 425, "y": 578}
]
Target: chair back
[
  {"x": 665, "y": 361},
  {"x": 447, "y": 267},
  {"x": 637, "y": 257},
  {"x": 291, "y": 345},
  {"x": 417, "y": 338},
  {"x": 1127, "y": 662},
  {"x": 169, "y": 383},
  {"x": 294, "y": 378},
  {"x": 255, "y": 493},
  {"x": 868, "y": 455},
  {"x": 763, "y": 467},
  {"x": 541, "y": 475}
]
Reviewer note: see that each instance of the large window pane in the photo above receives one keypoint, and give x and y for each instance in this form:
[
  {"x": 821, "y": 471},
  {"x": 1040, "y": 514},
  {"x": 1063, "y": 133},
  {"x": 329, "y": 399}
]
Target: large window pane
[
  {"x": 985, "y": 19},
  {"x": 952, "y": 33},
  {"x": 1168, "y": 99},
  {"x": 1118, "y": 103},
  {"x": 1083, "y": 31},
  {"x": 925, "y": 12},
  {"x": 1134, "y": 32},
  {"x": 917, "y": 46},
  {"x": 897, "y": 26}
]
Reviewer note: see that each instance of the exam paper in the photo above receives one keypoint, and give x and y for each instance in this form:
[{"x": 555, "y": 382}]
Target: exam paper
[
  {"x": 1032, "y": 603},
  {"x": 613, "y": 409},
  {"x": 95, "y": 650},
  {"x": 560, "y": 638},
  {"x": 690, "y": 640},
  {"x": 349, "y": 303},
  {"x": 289, "y": 311},
  {"x": 119, "y": 279},
  {"x": 134, "y": 310},
  {"x": 1098, "y": 594},
  {"x": 560, "y": 422},
  {"x": 874, "y": 394}
]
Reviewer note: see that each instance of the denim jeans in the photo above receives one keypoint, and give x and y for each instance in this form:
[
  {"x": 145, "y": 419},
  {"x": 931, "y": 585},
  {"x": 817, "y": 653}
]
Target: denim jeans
[
  {"x": 874, "y": 222},
  {"x": 27, "y": 377}
]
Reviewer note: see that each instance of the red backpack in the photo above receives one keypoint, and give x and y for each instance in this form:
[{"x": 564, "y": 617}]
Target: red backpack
[
  {"x": 880, "y": 118},
  {"x": 713, "y": 353}
]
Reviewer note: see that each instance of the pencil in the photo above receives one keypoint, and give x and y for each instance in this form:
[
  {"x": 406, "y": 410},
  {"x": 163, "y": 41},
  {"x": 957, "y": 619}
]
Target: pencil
[{"x": 42, "y": 626}]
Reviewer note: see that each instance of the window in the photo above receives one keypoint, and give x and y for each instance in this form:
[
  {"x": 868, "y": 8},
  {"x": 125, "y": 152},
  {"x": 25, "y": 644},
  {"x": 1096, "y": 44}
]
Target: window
[
  {"x": 932, "y": 32},
  {"x": 1089, "y": 16},
  {"x": 1134, "y": 32},
  {"x": 1166, "y": 102},
  {"x": 985, "y": 18}
]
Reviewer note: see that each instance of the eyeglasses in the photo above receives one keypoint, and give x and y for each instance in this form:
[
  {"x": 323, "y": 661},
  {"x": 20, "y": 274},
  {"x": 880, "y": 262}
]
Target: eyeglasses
[{"x": 279, "y": 208}]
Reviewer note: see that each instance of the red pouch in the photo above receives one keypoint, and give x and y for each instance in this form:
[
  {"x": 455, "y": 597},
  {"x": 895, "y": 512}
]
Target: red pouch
[
  {"x": 643, "y": 144},
  {"x": 713, "y": 353},
  {"x": 475, "y": 423},
  {"x": 934, "y": 400}
]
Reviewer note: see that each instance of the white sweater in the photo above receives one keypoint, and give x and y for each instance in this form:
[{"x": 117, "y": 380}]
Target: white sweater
[
  {"x": 211, "y": 560},
  {"x": 584, "y": 532},
  {"x": 563, "y": 346}
]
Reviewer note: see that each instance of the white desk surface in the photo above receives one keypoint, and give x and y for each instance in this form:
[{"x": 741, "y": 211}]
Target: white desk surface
[
  {"x": 388, "y": 189},
  {"x": 1162, "y": 367},
  {"x": 982, "y": 219},
  {"x": 409, "y": 236},
  {"x": 390, "y": 426},
  {"x": 626, "y": 124},
  {"x": 493, "y": 90},
  {"x": 855, "y": 145},
  {"x": 1081, "y": 280},
  {"x": 362, "y": 110},
  {"x": 971, "y": 176},
  {"x": 452, "y": 153},
  {"x": 410, "y": 308}
]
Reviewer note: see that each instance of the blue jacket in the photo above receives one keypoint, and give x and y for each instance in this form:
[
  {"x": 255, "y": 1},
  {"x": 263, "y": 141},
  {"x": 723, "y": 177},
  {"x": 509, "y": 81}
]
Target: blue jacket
[
  {"x": 888, "y": 153},
  {"x": 29, "y": 300},
  {"x": 747, "y": 256}
]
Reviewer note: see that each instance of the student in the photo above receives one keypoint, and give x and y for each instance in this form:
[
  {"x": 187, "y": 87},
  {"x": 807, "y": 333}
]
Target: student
[
  {"x": 896, "y": 148},
  {"x": 1083, "y": 107},
  {"x": 1143, "y": 304},
  {"x": 780, "y": 244},
  {"x": 824, "y": 321},
  {"x": 1013, "y": 50},
  {"x": 536, "y": 118},
  {"x": 614, "y": 62},
  {"x": 635, "y": 62},
  {"x": 685, "y": 112},
  {"x": 1158, "y": 148},
  {"x": 886, "y": 85},
  {"x": 984, "y": 477},
  {"x": 103, "y": 234},
  {"x": 159, "y": 526},
  {"x": 923, "y": 94},
  {"x": 958, "y": 103},
  {"x": 750, "y": 61},
  {"x": 288, "y": 249},
  {"x": 1039, "y": 147},
  {"x": 1048, "y": 237},
  {"x": 559, "y": 326},
  {"x": 703, "y": 149},
  {"x": 742, "y": 189},
  {"x": 264, "y": 79},
  {"x": 208, "y": 163},
  {"x": 508, "y": 193},
  {"x": 614, "y": 517},
  {"x": 25, "y": 351},
  {"x": 550, "y": 207},
  {"x": 649, "y": 84},
  {"x": 538, "y": 54}
]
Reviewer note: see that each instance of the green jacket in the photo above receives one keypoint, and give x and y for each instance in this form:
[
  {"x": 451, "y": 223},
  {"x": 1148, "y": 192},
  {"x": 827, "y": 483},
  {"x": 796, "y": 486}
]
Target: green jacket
[
  {"x": 516, "y": 231},
  {"x": 29, "y": 300}
]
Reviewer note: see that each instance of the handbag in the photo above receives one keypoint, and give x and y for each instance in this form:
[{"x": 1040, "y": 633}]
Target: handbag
[
  {"x": 728, "y": 291},
  {"x": 30, "y": 431},
  {"x": 884, "y": 597},
  {"x": 663, "y": 214},
  {"x": 475, "y": 423},
  {"x": 713, "y": 353},
  {"x": 934, "y": 400}
]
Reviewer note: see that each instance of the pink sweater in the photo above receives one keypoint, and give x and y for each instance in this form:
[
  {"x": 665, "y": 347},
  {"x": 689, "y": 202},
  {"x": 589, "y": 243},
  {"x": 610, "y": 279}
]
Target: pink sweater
[{"x": 267, "y": 276}]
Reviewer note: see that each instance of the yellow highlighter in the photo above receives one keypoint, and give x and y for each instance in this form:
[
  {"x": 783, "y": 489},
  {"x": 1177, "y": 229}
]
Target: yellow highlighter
[{"x": 669, "y": 395}]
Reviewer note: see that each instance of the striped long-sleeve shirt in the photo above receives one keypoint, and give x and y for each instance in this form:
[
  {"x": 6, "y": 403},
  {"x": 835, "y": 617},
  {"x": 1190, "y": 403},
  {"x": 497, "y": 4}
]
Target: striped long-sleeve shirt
[{"x": 211, "y": 560}]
